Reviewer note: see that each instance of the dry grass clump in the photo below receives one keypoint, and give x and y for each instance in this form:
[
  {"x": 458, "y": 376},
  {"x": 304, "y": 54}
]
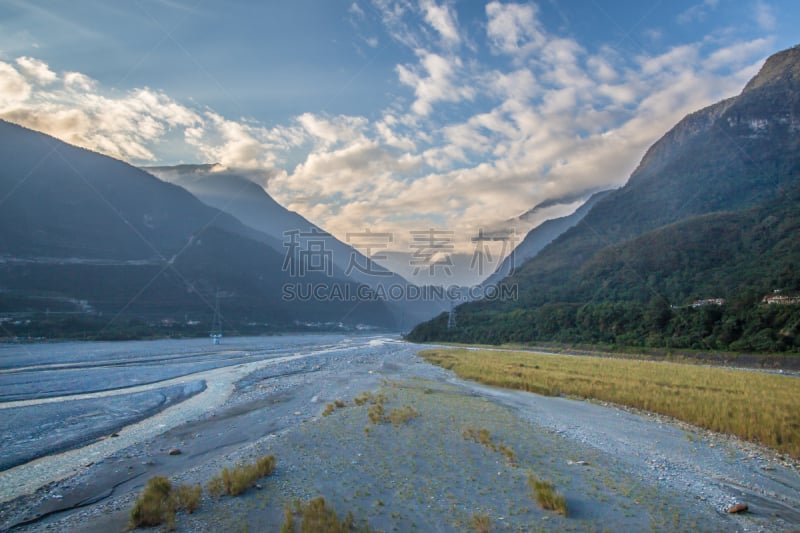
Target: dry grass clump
[
  {"x": 316, "y": 517},
  {"x": 215, "y": 487},
  {"x": 362, "y": 398},
  {"x": 402, "y": 415},
  {"x": 755, "y": 406},
  {"x": 153, "y": 507},
  {"x": 481, "y": 523},
  {"x": 236, "y": 480},
  {"x": 547, "y": 496},
  {"x": 265, "y": 466},
  {"x": 484, "y": 437},
  {"x": 377, "y": 413},
  {"x": 368, "y": 397},
  {"x": 481, "y": 436},
  {"x": 158, "y": 503},
  {"x": 338, "y": 404},
  {"x": 187, "y": 498}
]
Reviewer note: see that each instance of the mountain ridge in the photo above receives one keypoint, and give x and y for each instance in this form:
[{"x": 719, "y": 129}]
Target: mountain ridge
[
  {"x": 735, "y": 155},
  {"x": 234, "y": 193}
]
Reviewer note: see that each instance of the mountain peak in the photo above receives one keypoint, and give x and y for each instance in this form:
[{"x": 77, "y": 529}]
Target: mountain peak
[{"x": 783, "y": 67}]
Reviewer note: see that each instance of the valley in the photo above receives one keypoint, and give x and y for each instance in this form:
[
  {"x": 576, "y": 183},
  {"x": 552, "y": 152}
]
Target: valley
[{"x": 399, "y": 266}]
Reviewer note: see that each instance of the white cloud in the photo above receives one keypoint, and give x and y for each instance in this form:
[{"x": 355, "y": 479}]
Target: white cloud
[
  {"x": 125, "y": 127},
  {"x": 392, "y": 138},
  {"x": 436, "y": 84},
  {"x": 333, "y": 131},
  {"x": 517, "y": 85},
  {"x": 601, "y": 69},
  {"x": 676, "y": 59},
  {"x": 514, "y": 28},
  {"x": 442, "y": 19},
  {"x": 393, "y": 15},
  {"x": 697, "y": 12},
  {"x": 37, "y": 70},
  {"x": 76, "y": 80},
  {"x": 654, "y": 34},
  {"x": 13, "y": 87},
  {"x": 737, "y": 54},
  {"x": 765, "y": 18},
  {"x": 356, "y": 10}
]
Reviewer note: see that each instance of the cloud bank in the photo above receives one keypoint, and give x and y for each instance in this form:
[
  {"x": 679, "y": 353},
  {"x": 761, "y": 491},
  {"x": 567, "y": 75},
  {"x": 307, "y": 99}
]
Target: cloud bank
[{"x": 467, "y": 143}]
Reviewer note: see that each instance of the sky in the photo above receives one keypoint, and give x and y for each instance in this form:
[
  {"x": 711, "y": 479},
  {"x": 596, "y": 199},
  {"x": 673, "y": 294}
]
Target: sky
[{"x": 386, "y": 115}]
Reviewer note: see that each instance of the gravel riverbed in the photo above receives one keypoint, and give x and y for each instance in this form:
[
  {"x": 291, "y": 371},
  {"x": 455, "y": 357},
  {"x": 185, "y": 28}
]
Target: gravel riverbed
[{"x": 618, "y": 469}]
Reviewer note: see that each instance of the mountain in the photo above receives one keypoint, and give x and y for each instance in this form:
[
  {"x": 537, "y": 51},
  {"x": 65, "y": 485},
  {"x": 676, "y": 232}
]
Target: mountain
[
  {"x": 539, "y": 237},
  {"x": 86, "y": 234},
  {"x": 236, "y": 194},
  {"x": 740, "y": 154},
  {"x": 61, "y": 201}
]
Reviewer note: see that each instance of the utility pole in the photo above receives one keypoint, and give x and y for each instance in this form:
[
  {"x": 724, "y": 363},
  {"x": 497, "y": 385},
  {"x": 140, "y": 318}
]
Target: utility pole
[{"x": 451, "y": 317}]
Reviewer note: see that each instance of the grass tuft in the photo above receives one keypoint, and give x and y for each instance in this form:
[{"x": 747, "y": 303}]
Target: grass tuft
[
  {"x": 547, "y": 496},
  {"x": 265, "y": 466},
  {"x": 236, "y": 480},
  {"x": 402, "y": 415},
  {"x": 481, "y": 523},
  {"x": 331, "y": 407},
  {"x": 316, "y": 517},
  {"x": 154, "y": 506},
  {"x": 484, "y": 437},
  {"x": 158, "y": 503},
  {"x": 187, "y": 498},
  {"x": 377, "y": 413}
]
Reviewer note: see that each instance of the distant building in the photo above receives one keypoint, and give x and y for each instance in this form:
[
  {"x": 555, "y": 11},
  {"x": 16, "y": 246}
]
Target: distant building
[
  {"x": 780, "y": 299},
  {"x": 709, "y": 301}
]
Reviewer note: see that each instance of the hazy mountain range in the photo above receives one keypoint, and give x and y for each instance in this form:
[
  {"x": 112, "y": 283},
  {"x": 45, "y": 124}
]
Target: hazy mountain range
[
  {"x": 84, "y": 231},
  {"x": 87, "y": 235}
]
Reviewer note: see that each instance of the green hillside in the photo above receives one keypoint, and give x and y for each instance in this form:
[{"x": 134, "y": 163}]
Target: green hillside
[{"x": 640, "y": 293}]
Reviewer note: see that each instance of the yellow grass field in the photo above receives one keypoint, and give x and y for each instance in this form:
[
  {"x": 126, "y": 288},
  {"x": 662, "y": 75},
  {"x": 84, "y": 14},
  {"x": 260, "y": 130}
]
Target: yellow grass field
[{"x": 755, "y": 406}]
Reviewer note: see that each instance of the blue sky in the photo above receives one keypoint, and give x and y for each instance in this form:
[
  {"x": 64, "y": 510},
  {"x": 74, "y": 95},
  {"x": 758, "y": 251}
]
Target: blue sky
[{"x": 385, "y": 114}]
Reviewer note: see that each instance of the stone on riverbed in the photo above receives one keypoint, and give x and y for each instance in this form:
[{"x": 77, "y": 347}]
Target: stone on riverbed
[{"x": 737, "y": 508}]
